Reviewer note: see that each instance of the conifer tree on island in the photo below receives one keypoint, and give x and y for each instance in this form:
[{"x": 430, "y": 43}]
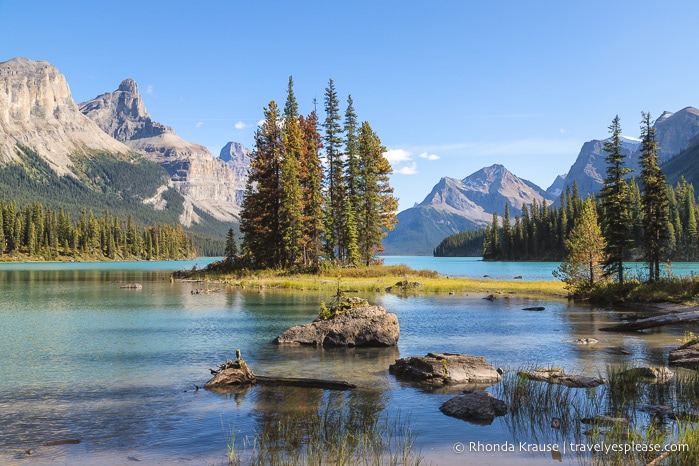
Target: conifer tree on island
[
  {"x": 287, "y": 216},
  {"x": 260, "y": 210}
]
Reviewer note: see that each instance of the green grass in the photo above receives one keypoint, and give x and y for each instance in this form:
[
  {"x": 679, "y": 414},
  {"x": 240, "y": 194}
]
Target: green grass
[
  {"x": 342, "y": 436},
  {"x": 377, "y": 279}
]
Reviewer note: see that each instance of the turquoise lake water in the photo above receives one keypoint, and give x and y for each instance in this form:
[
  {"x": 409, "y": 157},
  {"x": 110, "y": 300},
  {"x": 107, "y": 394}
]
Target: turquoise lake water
[{"x": 83, "y": 359}]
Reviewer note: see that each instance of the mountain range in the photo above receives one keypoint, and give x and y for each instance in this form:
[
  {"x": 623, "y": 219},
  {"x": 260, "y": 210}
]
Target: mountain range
[
  {"x": 109, "y": 153},
  {"x": 458, "y": 205}
]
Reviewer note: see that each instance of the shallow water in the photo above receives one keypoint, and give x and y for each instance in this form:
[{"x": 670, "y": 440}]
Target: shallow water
[{"x": 82, "y": 359}]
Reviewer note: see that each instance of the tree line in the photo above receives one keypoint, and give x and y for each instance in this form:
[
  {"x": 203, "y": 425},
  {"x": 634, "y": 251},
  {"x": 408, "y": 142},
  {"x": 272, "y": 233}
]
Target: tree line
[
  {"x": 645, "y": 219},
  {"x": 313, "y": 198},
  {"x": 36, "y": 231}
]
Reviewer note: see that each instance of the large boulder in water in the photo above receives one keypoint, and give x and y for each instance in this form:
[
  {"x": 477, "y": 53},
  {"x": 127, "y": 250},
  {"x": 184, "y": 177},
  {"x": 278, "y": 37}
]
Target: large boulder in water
[
  {"x": 363, "y": 325},
  {"x": 475, "y": 406},
  {"x": 446, "y": 369}
]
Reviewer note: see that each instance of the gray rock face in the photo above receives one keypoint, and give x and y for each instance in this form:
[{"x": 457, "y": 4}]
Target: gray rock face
[
  {"x": 686, "y": 356},
  {"x": 38, "y": 111},
  {"x": 205, "y": 181},
  {"x": 446, "y": 369},
  {"x": 360, "y": 326},
  {"x": 477, "y": 406},
  {"x": 563, "y": 378}
]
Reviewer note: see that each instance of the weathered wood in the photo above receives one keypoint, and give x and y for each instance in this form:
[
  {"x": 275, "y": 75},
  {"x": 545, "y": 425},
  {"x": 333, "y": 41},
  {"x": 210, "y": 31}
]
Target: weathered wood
[
  {"x": 304, "y": 383},
  {"x": 682, "y": 317}
]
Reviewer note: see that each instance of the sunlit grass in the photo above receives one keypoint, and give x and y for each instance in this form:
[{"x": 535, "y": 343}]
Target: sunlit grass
[{"x": 378, "y": 278}]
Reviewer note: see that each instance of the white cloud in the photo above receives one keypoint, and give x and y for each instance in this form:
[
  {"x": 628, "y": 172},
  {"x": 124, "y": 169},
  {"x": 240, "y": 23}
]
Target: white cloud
[
  {"x": 199, "y": 124},
  {"x": 149, "y": 89},
  {"x": 407, "y": 170},
  {"x": 261, "y": 122},
  {"x": 397, "y": 155},
  {"x": 240, "y": 125},
  {"x": 425, "y": 155}
]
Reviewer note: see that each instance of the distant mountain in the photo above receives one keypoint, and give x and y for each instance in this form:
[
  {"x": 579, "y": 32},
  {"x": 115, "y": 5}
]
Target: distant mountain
[
  {"x": 237, "y": 156},
  {"x": 684, "y": 165},
  {"x": 208, "y": 184},
  {"x": 674, "y": 133},
  {"x": 456, "y": 205},
  {"x": 37, "y": 111}
]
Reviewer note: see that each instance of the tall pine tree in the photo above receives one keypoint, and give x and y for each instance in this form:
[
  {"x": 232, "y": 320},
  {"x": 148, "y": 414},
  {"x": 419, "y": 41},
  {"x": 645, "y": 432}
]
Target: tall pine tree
[
  {"x": 260, "y": 210},
  {"x": 377, "y": 214},
  {"x": 291, "y": 202},
  {"x": 335, "y": 193},
  {"x": 655, "y": 200},
  {"x": 615, "y": 203},
  {"x": 312, "y": 184}
]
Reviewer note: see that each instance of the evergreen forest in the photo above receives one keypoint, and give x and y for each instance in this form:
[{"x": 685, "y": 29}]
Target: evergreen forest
[
  {"x": 313, "y": 198},
  {"x": 643, "y": 219}
]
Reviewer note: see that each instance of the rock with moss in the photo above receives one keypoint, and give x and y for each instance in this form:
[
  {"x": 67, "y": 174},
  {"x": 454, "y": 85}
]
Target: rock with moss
[
  {"x": 446, "y": 369},
  {"x": 346, "y": 323}
]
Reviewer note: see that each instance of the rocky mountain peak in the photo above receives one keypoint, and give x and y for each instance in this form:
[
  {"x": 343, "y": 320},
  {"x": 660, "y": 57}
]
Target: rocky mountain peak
[
  {"x": 206, "y": 182},
  {"x": 38, "y": 111},
  {"x": 128, "y": 85}
]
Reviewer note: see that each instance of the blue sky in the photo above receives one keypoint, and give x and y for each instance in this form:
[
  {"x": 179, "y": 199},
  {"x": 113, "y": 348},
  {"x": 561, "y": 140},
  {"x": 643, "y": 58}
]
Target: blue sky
[{"x": 449, "y": 86}]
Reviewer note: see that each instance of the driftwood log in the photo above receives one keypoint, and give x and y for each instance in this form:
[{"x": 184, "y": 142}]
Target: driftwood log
[
  {"x": 236, "y": 373},
  {"x": 305, "y": 383},
  {"x": 681, "y": 317}
]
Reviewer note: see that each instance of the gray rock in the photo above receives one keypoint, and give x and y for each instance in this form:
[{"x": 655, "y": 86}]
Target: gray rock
[
  {"x": 359, "y": 326},
  {"x": 477, "y": 406},
  {"x": 446, "y": 369},
  {"x": 686, "y": 356},
  {"x": 562, "y": 378}
]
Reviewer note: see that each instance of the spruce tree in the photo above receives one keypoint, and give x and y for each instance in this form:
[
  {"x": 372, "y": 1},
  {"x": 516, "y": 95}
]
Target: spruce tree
[
  {"x": 378, "y": 205},
  {"x": 615, "y": 203},
  {"x": 312, "y": 184},
  {"x": 655, "y": 200},
  {"x": 291, "y": 202},
  {"x": 352, "y": 181},
  {"x": 335, "y": 194},
  {"x": 260, "y": 210},
  {"x": 231, "y": 249}
]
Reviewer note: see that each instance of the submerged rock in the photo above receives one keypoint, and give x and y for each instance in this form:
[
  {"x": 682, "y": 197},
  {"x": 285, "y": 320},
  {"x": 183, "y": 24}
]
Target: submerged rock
[
  {"x": 605, "y": 421},
  {"x": 686, "y": 356},
  {"x": 476, "y": 406},
  {"x": 586, "y": 341},
  {"x": 559, "y": 377},
  {"x": 660, "y": 374},
  {"x": 359, "y": 326},
  {"x": 446, "y": 369}
]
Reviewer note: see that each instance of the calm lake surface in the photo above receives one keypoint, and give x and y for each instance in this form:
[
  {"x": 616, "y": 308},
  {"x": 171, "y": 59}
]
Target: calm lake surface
[{"x": 83, "y": 359}]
